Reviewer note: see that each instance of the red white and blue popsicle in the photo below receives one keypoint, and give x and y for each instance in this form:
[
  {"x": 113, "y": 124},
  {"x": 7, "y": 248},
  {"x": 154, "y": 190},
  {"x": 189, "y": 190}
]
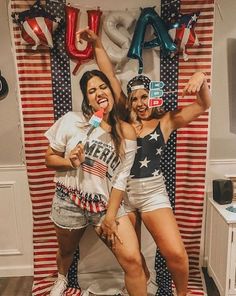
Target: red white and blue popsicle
[{"x": 95, "y": 121}]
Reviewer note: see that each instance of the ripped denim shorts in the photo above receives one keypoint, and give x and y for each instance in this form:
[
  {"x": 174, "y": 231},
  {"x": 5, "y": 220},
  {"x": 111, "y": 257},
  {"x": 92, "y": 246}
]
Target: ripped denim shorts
[{"x": 66, "y": 214}]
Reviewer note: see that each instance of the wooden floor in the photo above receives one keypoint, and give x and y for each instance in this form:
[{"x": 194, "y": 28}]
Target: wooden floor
[
  {"x": 21, "y": 286},
  {"x": 16, "y": 286}
]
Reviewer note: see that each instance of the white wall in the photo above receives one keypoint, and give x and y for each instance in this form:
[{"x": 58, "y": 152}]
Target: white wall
[
  {"x": 222, "y": 141},
  {"x": 11, "y": 151}
]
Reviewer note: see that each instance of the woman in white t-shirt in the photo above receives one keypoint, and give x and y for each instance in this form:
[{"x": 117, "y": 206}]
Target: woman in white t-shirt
[{"x": 91, "y": 172}]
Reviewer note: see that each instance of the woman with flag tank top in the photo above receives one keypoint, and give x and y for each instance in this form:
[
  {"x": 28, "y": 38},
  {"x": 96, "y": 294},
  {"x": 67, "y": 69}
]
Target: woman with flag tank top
[
  {"x": 147, "y": 199},
  {"x": 92, "y": 165}
]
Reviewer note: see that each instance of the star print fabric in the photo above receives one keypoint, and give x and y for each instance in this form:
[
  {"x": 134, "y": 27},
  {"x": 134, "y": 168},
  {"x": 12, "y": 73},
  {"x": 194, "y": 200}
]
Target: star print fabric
[{"x": 148, "y": 156}]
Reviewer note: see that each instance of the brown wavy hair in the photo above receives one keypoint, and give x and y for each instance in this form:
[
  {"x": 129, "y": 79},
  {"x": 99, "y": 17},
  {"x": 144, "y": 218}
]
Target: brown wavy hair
[{"x": 113, "y": 119}]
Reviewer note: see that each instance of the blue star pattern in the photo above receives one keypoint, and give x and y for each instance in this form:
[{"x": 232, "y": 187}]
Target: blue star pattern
[
  {"x": 62, "y": 98},
  {"x": 73, "y": 271},
  {"x": 169, "y": 75},
  {"x": 60, "y": 64},
  {"x": 148, "y": 156}
]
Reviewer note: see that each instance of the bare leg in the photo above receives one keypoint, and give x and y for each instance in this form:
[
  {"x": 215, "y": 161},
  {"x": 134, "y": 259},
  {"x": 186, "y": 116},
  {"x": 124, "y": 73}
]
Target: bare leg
[
  {"x": 135, "y": 219},
  {"x": 128, "y": 256},
  {"x": 162, "y": 225},
  {"x": 68, "y": 241}
]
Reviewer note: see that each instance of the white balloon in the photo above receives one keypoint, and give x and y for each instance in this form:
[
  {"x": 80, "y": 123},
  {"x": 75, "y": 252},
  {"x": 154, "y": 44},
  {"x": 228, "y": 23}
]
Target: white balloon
[{"x": 116, "y": 25}]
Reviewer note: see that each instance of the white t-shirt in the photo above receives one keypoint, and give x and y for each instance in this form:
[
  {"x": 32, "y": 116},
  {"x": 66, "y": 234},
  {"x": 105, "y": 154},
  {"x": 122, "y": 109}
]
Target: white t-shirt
[{"x": 101, "y": 170}]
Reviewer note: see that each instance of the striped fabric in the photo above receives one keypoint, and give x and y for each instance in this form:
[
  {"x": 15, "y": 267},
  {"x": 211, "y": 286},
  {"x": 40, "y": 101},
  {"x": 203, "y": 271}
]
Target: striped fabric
[
  {"x": 34, "y": 70},
  {"x": 191, "y": 146},
  {"x": 35, "y": 91}
]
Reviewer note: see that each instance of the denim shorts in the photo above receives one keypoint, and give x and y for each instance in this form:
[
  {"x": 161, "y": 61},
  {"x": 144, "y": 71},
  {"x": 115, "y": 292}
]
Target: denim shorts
[{"x": 66, "y": 214}]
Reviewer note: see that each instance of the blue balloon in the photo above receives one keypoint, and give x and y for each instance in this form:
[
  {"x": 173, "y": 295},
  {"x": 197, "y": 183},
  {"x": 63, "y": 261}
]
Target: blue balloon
[{"x": 147, "y": 17}]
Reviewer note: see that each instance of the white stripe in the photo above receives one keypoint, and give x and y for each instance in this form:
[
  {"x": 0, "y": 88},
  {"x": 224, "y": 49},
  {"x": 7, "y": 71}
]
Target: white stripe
[
  {"x": 44, "y": 28},
  {"x": 31, "y": 33}
]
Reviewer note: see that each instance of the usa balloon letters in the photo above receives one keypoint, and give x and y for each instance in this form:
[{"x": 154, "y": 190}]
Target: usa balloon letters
[{"x": 116, "y": 26}]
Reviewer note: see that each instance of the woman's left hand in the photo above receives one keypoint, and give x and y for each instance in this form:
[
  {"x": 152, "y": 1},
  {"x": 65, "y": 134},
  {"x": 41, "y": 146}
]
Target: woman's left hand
[
  {"x": 194, "y": 84},
  {"x": 109, "y": 231}
]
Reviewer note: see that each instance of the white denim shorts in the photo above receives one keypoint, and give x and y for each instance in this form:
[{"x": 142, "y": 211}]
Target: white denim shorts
[
  {"x": 66, "y": 214},
  {"x": 146, "y": 194}
]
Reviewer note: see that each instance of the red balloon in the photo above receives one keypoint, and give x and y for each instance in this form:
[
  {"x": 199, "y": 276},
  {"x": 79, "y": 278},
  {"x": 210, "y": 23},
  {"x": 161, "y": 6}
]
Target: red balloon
[{"x": 94, "y": 17}]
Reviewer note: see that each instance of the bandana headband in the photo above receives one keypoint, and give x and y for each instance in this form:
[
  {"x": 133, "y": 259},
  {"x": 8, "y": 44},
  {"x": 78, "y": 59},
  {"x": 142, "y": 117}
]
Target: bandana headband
[
  {"x": 138, "y": 82},
  {"x": 140, "y": 86}
]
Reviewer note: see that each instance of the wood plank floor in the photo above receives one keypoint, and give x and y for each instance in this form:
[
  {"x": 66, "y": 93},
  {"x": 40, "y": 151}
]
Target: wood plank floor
[
  {"x": 16, "y": 286},
  {"x": 21, "y": 286}
]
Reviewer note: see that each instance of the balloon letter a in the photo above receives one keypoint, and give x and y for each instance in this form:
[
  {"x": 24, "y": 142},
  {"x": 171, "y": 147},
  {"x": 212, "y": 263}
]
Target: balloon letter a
[
  {"x": 149, "y": 16},
  {"x": 71, "y": 21}
]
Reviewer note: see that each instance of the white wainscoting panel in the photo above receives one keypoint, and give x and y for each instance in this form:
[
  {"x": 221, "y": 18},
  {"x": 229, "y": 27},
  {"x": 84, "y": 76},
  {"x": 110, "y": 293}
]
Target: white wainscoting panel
[
  {"x": 16, "y": 243},
  {"x": 11, "y": 239}
]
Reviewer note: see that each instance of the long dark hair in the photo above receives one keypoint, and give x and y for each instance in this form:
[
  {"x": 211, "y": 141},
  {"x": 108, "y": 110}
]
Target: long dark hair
[{"x": 113, "y": 119}]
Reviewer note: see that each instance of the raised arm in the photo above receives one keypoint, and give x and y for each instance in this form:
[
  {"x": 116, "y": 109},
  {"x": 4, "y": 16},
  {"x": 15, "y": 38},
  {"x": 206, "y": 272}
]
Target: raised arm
[
  {"x": 197, "y": 84},
  {"x": 103, "y": 61}
]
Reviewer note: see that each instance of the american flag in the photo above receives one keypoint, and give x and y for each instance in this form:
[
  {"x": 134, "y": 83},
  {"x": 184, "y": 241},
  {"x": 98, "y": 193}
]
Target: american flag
[
  {"x": 184, "y": 162},
  {"x": 45, "y": 95},
  {"x": 94, "y": 167}
]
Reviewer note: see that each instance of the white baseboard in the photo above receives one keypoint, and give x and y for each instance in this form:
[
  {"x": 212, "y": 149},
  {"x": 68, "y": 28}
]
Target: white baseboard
[
  {"x": 12, "y": 271},
  {"x": 16, "y": 167}
]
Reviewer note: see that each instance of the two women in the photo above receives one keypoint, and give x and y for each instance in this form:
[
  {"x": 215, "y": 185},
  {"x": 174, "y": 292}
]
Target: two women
[
  {"x": 92, "y": 166},
  {"x": 147, "y": 199}
]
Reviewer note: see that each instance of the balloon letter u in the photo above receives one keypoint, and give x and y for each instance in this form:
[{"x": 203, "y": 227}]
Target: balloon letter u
[{"x": 71, "y": 21}]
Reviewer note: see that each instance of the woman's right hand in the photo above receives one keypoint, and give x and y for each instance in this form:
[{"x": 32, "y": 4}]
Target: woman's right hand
[
  {"x": 86, "y": 35},
  {"x": 77, "y": 156}
]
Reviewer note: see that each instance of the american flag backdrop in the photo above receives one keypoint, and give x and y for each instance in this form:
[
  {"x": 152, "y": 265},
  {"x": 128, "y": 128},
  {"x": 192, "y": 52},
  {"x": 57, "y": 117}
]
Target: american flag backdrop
[{"x": 45, "y": 95}]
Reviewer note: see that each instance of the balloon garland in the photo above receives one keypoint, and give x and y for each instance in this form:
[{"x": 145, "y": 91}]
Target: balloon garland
[{"x": 37, "y": 26}]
